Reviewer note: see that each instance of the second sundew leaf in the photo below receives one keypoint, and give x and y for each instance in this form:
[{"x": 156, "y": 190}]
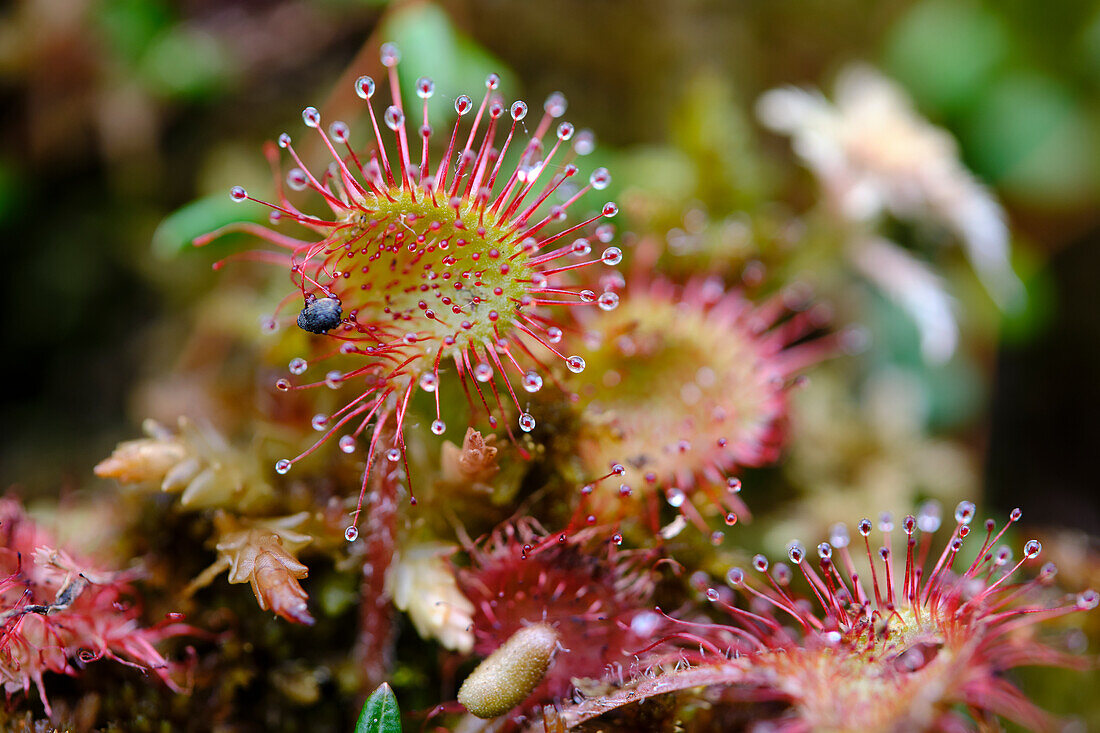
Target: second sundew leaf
[{"x": 380, "y": 712}]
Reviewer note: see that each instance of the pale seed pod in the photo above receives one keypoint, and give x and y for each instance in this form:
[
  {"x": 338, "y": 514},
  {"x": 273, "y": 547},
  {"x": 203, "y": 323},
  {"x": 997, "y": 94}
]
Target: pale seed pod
[{"x": 507, "y": 676}]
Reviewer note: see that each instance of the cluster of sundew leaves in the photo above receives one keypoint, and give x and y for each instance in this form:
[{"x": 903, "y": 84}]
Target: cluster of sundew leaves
[
  {"x": 687, "y": 384},
  {"x": 318, "y": 275},
  {"x": 418, "y": 267},
  {"x": 857, "y": 654}
]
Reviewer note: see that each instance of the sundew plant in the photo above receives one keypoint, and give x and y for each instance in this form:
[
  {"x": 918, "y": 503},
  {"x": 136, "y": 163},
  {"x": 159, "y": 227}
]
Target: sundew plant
[{"x": 455, "y": 419}]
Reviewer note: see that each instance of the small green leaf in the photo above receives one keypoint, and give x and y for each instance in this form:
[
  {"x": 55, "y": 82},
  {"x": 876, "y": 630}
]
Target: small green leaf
[
  {"x": 380, "y": 713},
  {"x": 176, "y": 232}
]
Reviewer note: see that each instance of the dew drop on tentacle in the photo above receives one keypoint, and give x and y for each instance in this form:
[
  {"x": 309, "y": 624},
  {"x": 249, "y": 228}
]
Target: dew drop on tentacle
[
  {"x": 555, "y": 104},
  {"x": 612, "y": 256},
  {"x": 838, "y": 535},
  {"x": 364, "y": 87},
  {"x": 782, "y": 574},
  {"x": 389, "y": 54},
  {"x": 526, "y": 422},
  {"x": 339, "y": 131},
  {"x": 351, "y": 533},
  {"x": 599, "y": 179},
  {"x": 439, "y": 427},
  {"x": 964, "y": 512},
  {"x": 929, "y": 517},
  {"x": 282, "y": 466},
  {"x": 298, "y": 365},
  {"x": 483, "y": 372},
  {"x": 584, "y": 142},
  {"x": 532, "y": 381},
  {"x": 347, "y": 444},
  {"x": 296, "y": 179},
  {"x": 394, "y": 117}
]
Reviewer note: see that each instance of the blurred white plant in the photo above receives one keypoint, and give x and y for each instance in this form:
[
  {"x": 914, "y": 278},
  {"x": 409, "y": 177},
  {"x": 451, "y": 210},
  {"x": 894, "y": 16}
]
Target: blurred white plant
[
  {"x": 422, "y": 584},
  {"x": 874, "y": 154},
  {"x": 915, "y": 287},
  {"x": 197, "y": 461}
]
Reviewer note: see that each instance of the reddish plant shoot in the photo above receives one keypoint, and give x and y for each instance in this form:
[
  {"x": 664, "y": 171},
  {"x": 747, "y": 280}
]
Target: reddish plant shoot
[
  {"x": 595, "y": 597},
  {"x": 417, "y": 264},
  {"x": 58, "y": 614}
]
